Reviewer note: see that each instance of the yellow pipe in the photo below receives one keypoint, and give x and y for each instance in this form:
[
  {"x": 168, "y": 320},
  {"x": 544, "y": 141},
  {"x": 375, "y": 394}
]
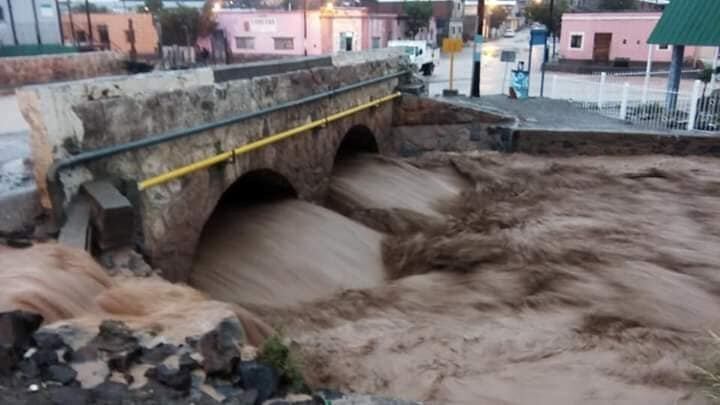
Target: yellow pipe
[{"x": 213, "y": 160}]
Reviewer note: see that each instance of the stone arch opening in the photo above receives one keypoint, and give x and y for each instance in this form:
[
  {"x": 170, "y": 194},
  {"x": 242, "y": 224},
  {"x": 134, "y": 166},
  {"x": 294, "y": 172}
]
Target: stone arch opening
[
  {"x": 359, "y": 139},
  {"x": 258, "y": 186},
  {"x": 243, "y": 200}
]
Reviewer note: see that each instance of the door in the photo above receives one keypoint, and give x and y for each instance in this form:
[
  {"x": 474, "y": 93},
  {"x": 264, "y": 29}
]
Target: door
[{"x": 601, "y": 47}]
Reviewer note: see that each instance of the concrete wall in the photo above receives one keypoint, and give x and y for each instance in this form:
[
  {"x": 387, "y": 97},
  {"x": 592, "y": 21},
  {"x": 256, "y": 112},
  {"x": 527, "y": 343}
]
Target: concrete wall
[
  {"x": 173, "y": 215},
  {"x": 424, "y": 125},
  {"x": 573, "y": 143},
  {"x": 23, "y": 70}
]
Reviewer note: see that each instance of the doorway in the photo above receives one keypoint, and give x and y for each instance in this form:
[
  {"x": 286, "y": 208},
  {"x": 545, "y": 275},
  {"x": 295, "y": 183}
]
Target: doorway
[{"x": 601, "y": 47}]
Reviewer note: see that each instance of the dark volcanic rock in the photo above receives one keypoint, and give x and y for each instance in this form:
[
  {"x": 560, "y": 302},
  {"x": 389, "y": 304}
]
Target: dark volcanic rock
[
  {"x": 110, "y": 393},
  {"x": 158, "y": 354},
  {"x": 16, "y": 329},
  {"x": 263, "y": 378},
  {"x": 220, "y": 347},
  {"x": 179, "y": 379},
  {"x": 43, "y": 358},
  {"x": 187, "y": 362},
  {"x": 45, "y": 339},
  {"x": 61, "y": 373},
  {"x": 115, "y": 337},
  {"x": 115, "y": 343},
  {"x": 69, "y": 396}
]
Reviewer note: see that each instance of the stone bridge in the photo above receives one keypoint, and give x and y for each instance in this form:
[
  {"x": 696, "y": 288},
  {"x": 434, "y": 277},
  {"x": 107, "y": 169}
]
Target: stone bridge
[
  {"x": 75, "y": 124},
  {"x": 98, "y": 146}
]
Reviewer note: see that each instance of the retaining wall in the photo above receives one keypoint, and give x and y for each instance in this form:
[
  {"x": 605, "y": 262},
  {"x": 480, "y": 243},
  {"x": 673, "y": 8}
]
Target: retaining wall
[{"x": 24, "y": 70}]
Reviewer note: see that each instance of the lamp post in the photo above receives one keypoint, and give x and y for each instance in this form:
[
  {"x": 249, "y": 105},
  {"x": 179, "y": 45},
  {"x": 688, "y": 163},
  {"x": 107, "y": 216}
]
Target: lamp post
[{"x": 305, "y": 27}]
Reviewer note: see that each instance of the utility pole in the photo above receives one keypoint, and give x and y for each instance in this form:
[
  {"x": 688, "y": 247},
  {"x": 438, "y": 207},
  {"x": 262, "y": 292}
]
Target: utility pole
[
  {"x": 60, "y": 23},
  {"x": 552, "y": 26},
  {"x": 37, "y": 23},
  {"x": 72, "y": 24},
  {"x": 305, "y": 26},
  {"x": 12, "y": 22},
  {"x": 89, "y": 22},
  {"x": 477, "y": 48}
]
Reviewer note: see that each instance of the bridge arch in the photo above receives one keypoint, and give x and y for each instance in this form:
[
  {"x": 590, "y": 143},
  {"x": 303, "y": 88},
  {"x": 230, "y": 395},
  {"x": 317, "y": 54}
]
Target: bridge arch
[
  {"x": 257, "y": 186},
  {"x": 358, "y": 139}
]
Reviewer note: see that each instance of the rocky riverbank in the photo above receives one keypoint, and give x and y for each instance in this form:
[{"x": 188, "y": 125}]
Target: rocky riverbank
[{"x": 60, "y": 364}]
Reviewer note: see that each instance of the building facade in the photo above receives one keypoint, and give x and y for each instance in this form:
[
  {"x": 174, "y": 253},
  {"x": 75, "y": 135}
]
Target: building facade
[
  {"x": 29, "y": 22},
  {"x": 448, "y": 15},
  {"x": 606, "y": 37},
  {"x": 276, "y": 32},
  {"x": 111, "y": 31}
]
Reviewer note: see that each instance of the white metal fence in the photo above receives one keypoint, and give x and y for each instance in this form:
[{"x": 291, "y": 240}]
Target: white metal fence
[{"x": 696, "y": 109}]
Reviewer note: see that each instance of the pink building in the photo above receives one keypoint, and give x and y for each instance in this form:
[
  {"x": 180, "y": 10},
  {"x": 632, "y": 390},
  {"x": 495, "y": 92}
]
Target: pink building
[
  {"x": 604, "y": 37},
  {"x": 273, "y": 32}
]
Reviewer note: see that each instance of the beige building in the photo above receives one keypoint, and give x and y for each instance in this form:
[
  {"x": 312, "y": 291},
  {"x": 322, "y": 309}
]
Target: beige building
[{"x": 111, "y": 31}]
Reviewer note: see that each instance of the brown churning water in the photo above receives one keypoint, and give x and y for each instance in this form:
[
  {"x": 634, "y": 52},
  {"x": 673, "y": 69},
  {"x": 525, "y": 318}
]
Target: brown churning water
[{"x": 460, "y": 279}]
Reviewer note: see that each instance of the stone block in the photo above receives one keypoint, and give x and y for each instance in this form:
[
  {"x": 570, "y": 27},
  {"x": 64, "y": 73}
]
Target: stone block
[{"x": 111, "y": 215}]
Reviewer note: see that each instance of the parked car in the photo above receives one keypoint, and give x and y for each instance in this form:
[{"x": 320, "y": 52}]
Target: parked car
[{"x": 509, "y": 33}]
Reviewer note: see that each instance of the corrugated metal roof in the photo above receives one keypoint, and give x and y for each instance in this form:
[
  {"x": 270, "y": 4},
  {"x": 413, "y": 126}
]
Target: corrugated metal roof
[{"x": 689, "y": 22}]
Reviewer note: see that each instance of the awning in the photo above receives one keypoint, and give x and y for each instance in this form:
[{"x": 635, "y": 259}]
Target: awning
[{"x": 689, "y": 22}]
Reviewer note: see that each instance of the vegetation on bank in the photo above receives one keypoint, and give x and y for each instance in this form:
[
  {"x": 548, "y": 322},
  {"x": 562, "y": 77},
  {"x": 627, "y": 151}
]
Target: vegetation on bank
[{"x": 278, "y": 355}]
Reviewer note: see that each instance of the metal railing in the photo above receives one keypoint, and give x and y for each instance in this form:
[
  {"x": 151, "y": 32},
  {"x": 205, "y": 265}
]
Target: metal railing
[{"x": 696, "y": 109}]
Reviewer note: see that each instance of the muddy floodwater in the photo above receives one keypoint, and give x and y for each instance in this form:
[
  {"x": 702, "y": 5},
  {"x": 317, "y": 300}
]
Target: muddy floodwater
[
  {"x": 508, "y": 279},
  {"x": 453, "y": 278}
]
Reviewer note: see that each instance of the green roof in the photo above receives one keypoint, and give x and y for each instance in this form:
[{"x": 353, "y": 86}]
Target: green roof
[{"x": 689, "y": 22}]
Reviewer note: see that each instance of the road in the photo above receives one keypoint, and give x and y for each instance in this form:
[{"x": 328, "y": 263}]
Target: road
[
  {"x": 567, "y": 86},
  {"x": 492, "y": 69}
]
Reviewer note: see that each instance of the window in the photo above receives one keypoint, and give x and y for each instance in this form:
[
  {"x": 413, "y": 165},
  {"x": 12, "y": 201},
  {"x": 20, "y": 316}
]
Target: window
[
  {"x": 283, "y": 43},
  {"x": 103, "y": 34},
  {"x": 81, "y": 36},
  {"x": 663, "y": 47},
  {"x": 624, "y": 41},
  {"x": 576, "y": 41},
  {"x": 246, "y": 43},
  {"x": 2, "y": 14},
  {"x": 376, "y": 42}
]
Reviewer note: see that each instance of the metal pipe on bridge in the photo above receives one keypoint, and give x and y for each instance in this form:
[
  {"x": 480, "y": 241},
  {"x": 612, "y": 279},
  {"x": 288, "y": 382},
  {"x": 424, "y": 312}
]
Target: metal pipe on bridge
[
  {"x": 83, "y": 157},
  {"x": 221, "y": 157}
]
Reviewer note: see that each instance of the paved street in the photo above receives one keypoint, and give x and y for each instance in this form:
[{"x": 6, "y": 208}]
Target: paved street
[
  {"x": 568, "y": 86},
  {"x": 492, "y": 69}
]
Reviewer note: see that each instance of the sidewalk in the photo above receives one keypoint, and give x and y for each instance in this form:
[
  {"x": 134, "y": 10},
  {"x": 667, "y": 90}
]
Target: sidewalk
[{"x": 544, "y": 113}]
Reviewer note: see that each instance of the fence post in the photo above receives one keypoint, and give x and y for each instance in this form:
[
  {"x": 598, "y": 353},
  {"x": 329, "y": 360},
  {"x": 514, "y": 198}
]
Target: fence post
[
  {"x": 553, "y": 86},
  {"x": 693, "y": 105},
  {"x": 624, "y": 103},
  {"x": 601, "y": 90}
]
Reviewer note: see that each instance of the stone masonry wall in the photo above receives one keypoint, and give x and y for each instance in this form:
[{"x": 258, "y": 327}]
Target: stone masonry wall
[
  {"x": 422, "y": 124},
  {"x": 572, "y": 143},
  {"x": 24, "y": 70},
  {"x": 173, "y": 214}
]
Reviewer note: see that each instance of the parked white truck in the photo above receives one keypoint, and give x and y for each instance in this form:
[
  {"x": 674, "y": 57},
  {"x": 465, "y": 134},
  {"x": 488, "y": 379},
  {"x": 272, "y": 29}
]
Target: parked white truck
[{"x": 422, "y": 54}]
